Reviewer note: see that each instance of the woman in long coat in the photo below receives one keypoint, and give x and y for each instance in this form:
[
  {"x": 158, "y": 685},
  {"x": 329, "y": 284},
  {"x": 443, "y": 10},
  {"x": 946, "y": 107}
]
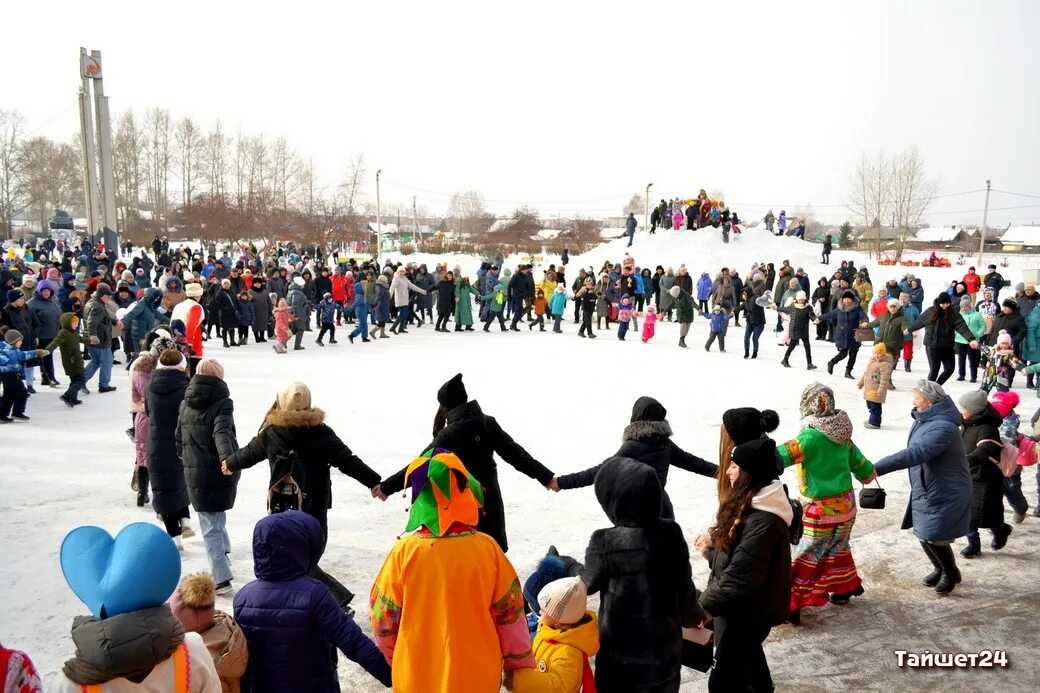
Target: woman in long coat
[
  {"x": 666, "y": 282},
  {"x": 464, "y": 295},
  {"x": 939, "y": 510},
  {"x": 261, "y": 310},
  {"x": 981, "y": 435},
  {"x": 461, "y": 427},
  {"x": 162, "y": 403}
]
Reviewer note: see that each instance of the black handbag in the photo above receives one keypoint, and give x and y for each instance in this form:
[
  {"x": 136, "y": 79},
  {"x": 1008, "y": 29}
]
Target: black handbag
[{"x": 872, "y": 498}]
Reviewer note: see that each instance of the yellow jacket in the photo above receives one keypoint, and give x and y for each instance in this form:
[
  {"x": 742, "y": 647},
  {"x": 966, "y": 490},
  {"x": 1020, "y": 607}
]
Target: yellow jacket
[
  {"x": 558, "y": 658},
  {"x": 547, "y": 288}
]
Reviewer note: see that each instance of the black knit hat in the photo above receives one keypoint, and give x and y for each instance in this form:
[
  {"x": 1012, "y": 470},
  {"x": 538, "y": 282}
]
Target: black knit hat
[
  {"x": 452, "y": 393},
  {"x": 648, "y": 409},
  {"x": 747, "y": 423},
  {"x": 759, "y": 460},
  {"x": 943, "y": 298},
  {"x": 1010, "y": 303}
]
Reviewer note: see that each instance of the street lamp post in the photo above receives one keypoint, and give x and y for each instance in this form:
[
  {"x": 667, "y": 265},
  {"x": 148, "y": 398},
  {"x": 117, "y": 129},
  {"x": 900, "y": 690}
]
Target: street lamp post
[{"x": 379, "y": 219}]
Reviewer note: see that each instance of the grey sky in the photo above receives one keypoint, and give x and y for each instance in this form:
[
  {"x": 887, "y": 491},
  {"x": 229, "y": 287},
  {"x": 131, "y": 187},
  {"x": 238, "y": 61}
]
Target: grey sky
[{"x": 574, "y": 106}]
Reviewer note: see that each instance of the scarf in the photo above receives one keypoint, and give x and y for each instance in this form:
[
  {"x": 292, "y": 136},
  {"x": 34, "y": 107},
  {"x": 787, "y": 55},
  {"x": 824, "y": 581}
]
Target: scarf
[{"x": 837, "y": 426}]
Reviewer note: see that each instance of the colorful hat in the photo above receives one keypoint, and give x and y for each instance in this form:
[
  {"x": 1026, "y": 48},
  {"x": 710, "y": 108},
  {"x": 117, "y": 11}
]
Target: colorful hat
[{"x": 443, "y": 493}]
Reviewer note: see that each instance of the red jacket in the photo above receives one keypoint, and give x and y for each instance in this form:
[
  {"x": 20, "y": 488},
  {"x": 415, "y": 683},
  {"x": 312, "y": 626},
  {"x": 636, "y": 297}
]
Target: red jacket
[
  {"x": 972, "y": 282},
  {"x": 339, "y": 287}
]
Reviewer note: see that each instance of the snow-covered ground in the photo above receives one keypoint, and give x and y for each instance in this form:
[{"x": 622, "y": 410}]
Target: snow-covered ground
[{"x": 567, "y": 400}]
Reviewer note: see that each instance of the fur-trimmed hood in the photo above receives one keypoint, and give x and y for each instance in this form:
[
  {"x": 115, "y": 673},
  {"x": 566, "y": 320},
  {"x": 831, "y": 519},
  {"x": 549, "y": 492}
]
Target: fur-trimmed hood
[
  {"x": 300, "y": 418},
  {"x": 646, "y": 430}
]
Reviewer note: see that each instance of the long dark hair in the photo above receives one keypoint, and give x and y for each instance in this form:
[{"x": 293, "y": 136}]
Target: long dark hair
[
  {"x": 940, "y": 314},
  {"x": 440, "y": 419},
  {"x": 732, "y": 509}
]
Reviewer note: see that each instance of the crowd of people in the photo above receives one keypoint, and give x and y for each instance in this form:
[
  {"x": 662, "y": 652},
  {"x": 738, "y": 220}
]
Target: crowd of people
[{"x": 770, "y": 558}]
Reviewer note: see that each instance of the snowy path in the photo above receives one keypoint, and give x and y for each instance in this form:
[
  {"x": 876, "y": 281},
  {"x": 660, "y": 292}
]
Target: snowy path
[{"x": 567, "y": 400}]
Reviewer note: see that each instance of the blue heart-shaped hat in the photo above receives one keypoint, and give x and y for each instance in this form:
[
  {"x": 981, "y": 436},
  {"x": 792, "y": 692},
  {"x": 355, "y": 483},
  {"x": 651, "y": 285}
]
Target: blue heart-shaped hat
[{"x": 139, "y": 569}]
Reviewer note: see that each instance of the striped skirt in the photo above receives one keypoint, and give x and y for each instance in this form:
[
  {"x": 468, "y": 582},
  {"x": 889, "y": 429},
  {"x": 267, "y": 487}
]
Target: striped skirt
[{"x": 823, "y": 560}]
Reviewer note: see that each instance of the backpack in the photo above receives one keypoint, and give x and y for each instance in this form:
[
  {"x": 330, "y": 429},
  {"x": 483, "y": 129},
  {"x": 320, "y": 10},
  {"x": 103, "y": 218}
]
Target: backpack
[
  {"x": 286, "y": 490},
  {"x": 1008, "y": 461},
  {"x": 1026, "y": 452},
  {"x": 797, "y": 526}
]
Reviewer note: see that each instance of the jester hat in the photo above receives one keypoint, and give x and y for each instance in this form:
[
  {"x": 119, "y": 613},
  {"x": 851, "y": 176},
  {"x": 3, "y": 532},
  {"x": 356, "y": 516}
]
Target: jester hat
[{"x": 443, "y": 493}]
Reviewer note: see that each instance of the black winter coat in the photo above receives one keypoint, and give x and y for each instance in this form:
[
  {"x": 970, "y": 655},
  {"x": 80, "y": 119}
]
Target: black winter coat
[
  {"x": 445, "y": 297},
  {"x": 1014, "y": 324},
  {"x": 649, "y": 442},
  {"x": 205, "y": 437},
  {"x": 162, "y": 401},
  {"x": 261, "y": 310},
  {"x": 641, "y": 568},
  {"x": 800, "y": 319},
  {"x": 317, "y": 448},
  {"x": 26, "y": 322},
  {"x": 987, "y": 481},
  {"x": 754, "y": 313},
  {"x": 822, "y": 292},
  {"x": 938, "y": 334},
  {"x": 845, "y": 324},
  {"x": 225, "y": 304},
  {"x": 751, "y": 581},
  {"x": 475, "y": 437}
]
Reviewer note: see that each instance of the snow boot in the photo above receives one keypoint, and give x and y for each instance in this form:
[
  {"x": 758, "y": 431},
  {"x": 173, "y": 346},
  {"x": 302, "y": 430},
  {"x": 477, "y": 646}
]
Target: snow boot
[
  {"x": 186, "y": 531},
  {"x": 906, "y": 367},
  {"x": 682, "y": 342},
  {"x": 785, "y": 364},
  {"x": 932, "y": 578},
  {"x": 844, "y": 597},
  {"x": 951, "y": 576},
  {"x": 1000, "y": 537},
  {"x": 810, "y": 367},
  {"x": 830, "y": 368},
  {"x": 848, "y": 374},
  {"x": 973, "y": 549}
]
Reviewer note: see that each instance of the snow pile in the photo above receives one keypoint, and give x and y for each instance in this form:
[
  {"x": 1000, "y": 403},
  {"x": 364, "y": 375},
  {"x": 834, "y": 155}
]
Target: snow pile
[{"x": 1021, "y": 235}]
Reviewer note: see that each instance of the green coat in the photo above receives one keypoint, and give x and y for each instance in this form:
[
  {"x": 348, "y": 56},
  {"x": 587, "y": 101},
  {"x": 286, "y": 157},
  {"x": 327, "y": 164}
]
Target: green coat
[
  {"x": 826, "y": 467},
  {"x": 976, "y": 322},
  {"x": 464, "y": 307},
  {"x": 684, "y": 306},
  {"x": 1031, "y": 344},
  {"x": 68, "y": 342},
  {"x": 890, "y": 331}
]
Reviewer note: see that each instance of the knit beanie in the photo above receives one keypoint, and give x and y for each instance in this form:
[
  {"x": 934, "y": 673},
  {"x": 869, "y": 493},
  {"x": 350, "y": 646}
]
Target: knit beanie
[
  {"x": 193, "y": 290},
  {"x": 747, "y": 423},
  {"x": 674, "y": 291},
  {"x": 966, "y": 301},
  {"x": 1005, "y": 402},
  {"x": 192, "y": 603},
  {"x": 931, "y": 390},
  {"x": 564, "y": 600},
  {"x": 1003, "y": 337},
  {"x": 880, "y": 348},
  {"x": 299, "y": 281},
  {"x": 12, "y": 337},
  {"x": 943, "y": 299},
  {"x": 452, "y": 393},
  {"x": 53, "y": 274},
  {"x": 294, "y": 397},
  {"x": 28, "y": 280},
  {"x": 894, "y": 302},
  {"x": 759, "y": 460},
  {"x": 14, "y": 294},
  {"x": 974, "y": 402},
  {"x": 210, "y": 367}
]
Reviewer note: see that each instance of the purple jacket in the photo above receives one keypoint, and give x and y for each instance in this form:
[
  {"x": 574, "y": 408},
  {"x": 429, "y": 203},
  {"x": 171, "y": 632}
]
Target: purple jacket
[{"x": 290, "y": 620}]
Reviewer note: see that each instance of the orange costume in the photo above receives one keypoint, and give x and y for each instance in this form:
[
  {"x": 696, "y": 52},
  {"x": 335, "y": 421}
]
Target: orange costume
[{"x": 447, "y": 609}]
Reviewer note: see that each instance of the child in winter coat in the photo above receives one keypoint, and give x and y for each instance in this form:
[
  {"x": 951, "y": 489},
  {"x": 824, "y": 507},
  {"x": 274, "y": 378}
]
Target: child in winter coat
[
  {"x": 327, "y": 319},
  {"x": 496, "y": 302},
  {"x": 18, "y": 673},
  {"x": 641, "y": 567},
  {"x": 1005, "y": 403},
  {"x": 140, "y": 374},
  {"x": 540, "y": 306},
  {"x": 567, "y": 636},
  {"x": 677, "y": 220},
  {"x": 12, "y": 373},
  {"x": 874, "y": 383},
  {"x": 290, "y": 620},
  {"x": 649, "y": 324},
  {"x": 719, "y": 319},
  {"x": 999, "y": 364},
  {"x": 282, "y": 317},
  {"x": 193, "y": 604},
  {"x": 624, "y": 316},
  {"x": 247, "y": 312},
  {"x": 557, "y": 306},
  {"x": 68, "y": 340}
]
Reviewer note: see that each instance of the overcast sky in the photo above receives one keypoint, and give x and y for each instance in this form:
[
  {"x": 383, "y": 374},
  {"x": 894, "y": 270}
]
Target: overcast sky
[{"x": 571, "y": 107}]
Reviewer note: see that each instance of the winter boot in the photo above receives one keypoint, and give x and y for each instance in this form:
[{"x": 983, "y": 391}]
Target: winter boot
[
  {"x": 1000, "y": 537},
  {"x": 932, "y": 578},
  {"x": 906, "y": 366},
  {"x": 848, "y": 374},
  {"x": 951, "y": 576},
  {"x": 142, "y": 487},
  {"x": 973, "y": 549},
  {"x": 186, "y": 531},
  {"x": 830, "y": 368},
  {"x": 754, "y": 354},
  {"x": 785, "y": 364},
  {"x": 844, "y": 597},
  {"x": 810, "y": 367},
  {"x": 682, "y": 342}
]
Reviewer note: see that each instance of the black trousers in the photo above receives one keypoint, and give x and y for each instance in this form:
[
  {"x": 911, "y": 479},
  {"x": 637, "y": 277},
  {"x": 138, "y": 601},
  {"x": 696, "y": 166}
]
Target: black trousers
[
  {"x": 711, "y": 340},
  {"x": 442, "y": 321},
  {"x": 491, "y": 318},
  {"x": 966, "y": 353},
  {"x": 939, "y": 356},
  {"x": 586, "y": 322},
  {"x": 794, "y": 343},
  {"x": 15, "y": 394},
  {"x": 327, "y": 327},
  {"x": 851, "y": 352},
  {"x": 740, "y": 662}
]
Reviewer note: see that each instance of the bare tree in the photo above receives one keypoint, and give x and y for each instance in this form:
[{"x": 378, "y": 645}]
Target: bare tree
[
  {"x": 189, "y": 154},
  {"x": 160, "y": 155},
  {"x": 258, "y": 192},
  {"x": 469, "y": 212},
  {"x": 287, "y": 174},
  {"x": 52, "y": 175},
  {"x": 911, "y": 190},
  {"x": 868, "y": 191},
  {"x": 130, "y": 167},
  {"x": 217, "y": 147},
  {"x": 10, "y": 170},
  {"x": 241, "y": 167}
]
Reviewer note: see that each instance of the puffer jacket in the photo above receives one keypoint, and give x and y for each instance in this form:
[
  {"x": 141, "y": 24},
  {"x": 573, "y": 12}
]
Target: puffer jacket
[
  {"x": 559, "y": 654},
  {"x": 641, "y": 568},
  {"x": 205, "y": 437},
  {"x": 297, "y": 300},
  {"x": 227, "y": 646},
  {"x": 47, "y": 312},
  {"x": 845, "y": 324},
  {"x": 23, "y": 320},
  {"x": 987, "y": 481},
  {"x": 144, "y": 315},
  {"x": 290, "y": 619},
  {"x": 876, "y": 379},
  {"x": 246, "y": 311},
  {"x": 890, "y": 330},
  {"x": 162, "y": 401},
  {"x": 940, "y": 483},
  {"x": 938, "y": 332}
]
